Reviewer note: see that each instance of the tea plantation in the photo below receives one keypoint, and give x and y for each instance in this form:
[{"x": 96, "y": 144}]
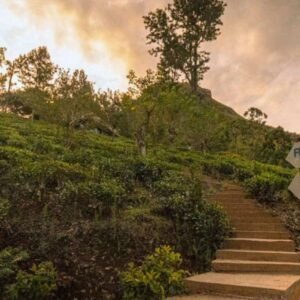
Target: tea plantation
[{"x": 76, "y": 207}]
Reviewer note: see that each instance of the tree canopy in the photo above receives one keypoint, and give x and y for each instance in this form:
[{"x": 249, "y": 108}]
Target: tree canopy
[{"x": 177, "y": 34}]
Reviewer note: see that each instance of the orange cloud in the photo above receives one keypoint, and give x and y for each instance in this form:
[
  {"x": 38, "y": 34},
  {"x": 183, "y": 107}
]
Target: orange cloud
[{"x": 116, "y": 24}]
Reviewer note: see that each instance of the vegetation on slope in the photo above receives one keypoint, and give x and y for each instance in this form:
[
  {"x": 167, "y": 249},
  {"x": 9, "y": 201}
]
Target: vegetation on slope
[{"x": 90, "y": 204}]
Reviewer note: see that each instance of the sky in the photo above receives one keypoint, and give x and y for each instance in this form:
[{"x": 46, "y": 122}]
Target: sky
[{"x": 254, "y": 62}]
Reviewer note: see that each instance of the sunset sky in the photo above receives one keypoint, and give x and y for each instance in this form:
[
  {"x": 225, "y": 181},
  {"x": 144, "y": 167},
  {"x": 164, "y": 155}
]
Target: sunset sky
[{"x": 255, "y": 62}]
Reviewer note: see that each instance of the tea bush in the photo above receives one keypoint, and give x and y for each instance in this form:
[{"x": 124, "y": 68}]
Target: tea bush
[
  {"x": 4, "y": 210},
  {"x": 66, "y": 194},
  {"x": 15, "y": 284},
  {"x": 38, "y": 284},
  {"x": 10, "y": 259},
  {"x": 262, "y": 181},
  {"x": 201, "y": 232},
  {"x": 201, "y": 227},
  {"x": 158, "y": 277},
  {"x": 266, "y": 186}
]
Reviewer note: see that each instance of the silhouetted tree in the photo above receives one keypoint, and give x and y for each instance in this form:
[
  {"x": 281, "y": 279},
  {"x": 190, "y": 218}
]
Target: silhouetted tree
[
  {"x": 256, "y": 115},
  {"x": 36, "y": 69},
  {"x": 2, "y": 75},
  {"x": 178, "y": 33}
]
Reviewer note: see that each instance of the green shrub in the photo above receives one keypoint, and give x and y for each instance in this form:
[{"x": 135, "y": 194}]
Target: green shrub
[
  {"x": 266, "y": 186},
  {"x": 39, "y": 284},
  {"x": 263, "y": 182},
  {"x": 4, "y": 209},
  {"x": 201, "y": 227},
  {"x": 148, "y": 171},
  {"x": 158, "y": 277},
  {"x": 101, "y": 198},
  {"x": 10, "y": 258},
  {"x": 201, "y": 232}
]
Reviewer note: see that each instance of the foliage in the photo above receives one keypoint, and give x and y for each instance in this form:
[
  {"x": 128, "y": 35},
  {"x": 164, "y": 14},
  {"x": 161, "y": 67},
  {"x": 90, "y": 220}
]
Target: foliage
[
  {"x": 256, "y": 115},
  {"x": 178, "y": 32},
  {"x": 30, "y": 102},
  {"x": 274, "y": 148},
  {"x": 2, "y": 75},
  {"x": 266, "y": 186},
  {"x": 89, "y": 194},
  {"x": 37, "y": 285},
  {"x": 10, "y": 259},
  {"x": 4, "y": 210},
  {"x": 158, "y": 277},
  {"x": 73, "y": 97},
  {"x": 201, "y": 227},
  {"x": 36, "y": 69},
  {"x": 153, "y": 111},
  {"x": 263, "y": 182}
]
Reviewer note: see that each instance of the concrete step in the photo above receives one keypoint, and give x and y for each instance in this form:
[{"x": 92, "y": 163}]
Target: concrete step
[
  {"x": 238, "y": 219},
  {"x": 252, "y": 285},
  {"x": 205, "y": 297},
  {"x": 258, "y": 213},
  {"x": 232, "y": 205},
  {"x": 233, "y": 211},
  {"x": 231, "y": 201},
  {"x": 259, "y": 244},
  {"x": 249, "y": 214},
  {"x": 258, "y": 226},
  {"x": 231, "y": 197},
  {"x": 256, "y": 255},
  {"x": 234, "y": 193},
  {"x": 273, "y": 235},
  {"x": 222, "y": 265}
]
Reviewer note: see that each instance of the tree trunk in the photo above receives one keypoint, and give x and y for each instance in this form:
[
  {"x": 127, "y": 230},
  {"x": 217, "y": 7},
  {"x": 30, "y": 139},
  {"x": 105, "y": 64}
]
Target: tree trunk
[
  {"x": 194, "y": 82},
  {"x": 140, "y": 142},
  {"x": 194, "y": 72},
  {"x": 10, "y": 78}
]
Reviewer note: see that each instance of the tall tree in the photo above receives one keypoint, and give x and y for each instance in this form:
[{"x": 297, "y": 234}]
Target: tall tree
[
  {"x": 178, "y": 33},
  {"x": 2, "y": 63},
  {"x": 156, "y": 112},
  {"x": 36, "y": 69}
]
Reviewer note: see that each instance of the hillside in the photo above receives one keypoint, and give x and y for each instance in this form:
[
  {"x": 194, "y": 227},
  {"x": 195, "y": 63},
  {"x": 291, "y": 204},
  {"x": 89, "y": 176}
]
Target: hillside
[{"x": 90, "y": 204}]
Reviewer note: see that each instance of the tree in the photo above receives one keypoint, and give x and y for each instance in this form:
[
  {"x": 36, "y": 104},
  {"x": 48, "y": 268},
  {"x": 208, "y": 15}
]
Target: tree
[
  {"x": 139, "y": 106},
  {"x": 29, "y": 102},
  {"x": 12, "y": 69},
  {"x": 178, "y": 33},
  {"x": 156, "y": 111},
  {"x": 275, "y": 147},
  {"x": 256, "y": 115},
  {"x": 36, "y": 69},
  {"x": 73, "y": 96},
  {"x": 2, "y": 63}
]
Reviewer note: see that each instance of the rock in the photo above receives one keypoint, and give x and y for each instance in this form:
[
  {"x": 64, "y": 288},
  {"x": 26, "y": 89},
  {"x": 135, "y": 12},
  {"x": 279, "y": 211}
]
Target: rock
[
  {"x": 204, "y": 92},
  {"x": 94, "y": 124}
]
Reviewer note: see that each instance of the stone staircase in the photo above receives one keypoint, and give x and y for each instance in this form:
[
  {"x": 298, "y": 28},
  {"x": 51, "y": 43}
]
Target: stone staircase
[{"x": 258, "y": 262}]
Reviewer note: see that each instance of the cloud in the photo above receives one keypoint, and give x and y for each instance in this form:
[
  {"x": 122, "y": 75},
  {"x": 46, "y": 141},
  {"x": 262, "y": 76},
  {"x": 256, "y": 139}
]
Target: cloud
[
  {"x": 253, "y": 63},
  {"x": 255, "y": 60},
  {"x": 116, "y": 24}
]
